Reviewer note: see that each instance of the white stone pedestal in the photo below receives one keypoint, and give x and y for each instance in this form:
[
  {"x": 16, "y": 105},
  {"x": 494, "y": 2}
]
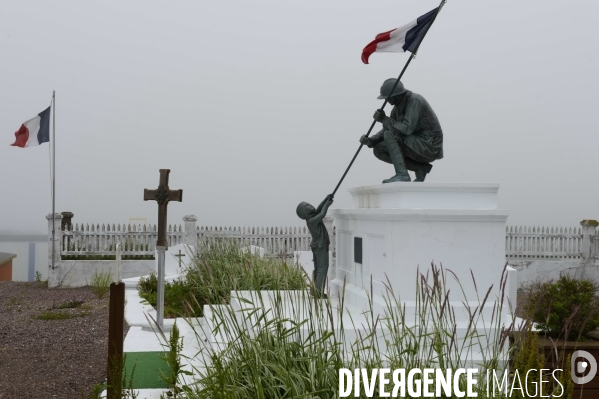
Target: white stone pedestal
[{"x": 404, "y": 227}]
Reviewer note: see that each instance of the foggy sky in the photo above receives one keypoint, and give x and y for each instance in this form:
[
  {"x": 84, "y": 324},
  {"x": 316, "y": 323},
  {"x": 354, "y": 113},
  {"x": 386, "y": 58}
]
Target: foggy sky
[{"x": 258, "y": 105}]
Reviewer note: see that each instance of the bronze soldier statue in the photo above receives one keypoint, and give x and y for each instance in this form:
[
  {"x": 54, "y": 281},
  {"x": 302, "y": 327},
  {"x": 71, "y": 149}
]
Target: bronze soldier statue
[
  {"x": 320, "y": 240},
  {"x": 411, "y": 137}
]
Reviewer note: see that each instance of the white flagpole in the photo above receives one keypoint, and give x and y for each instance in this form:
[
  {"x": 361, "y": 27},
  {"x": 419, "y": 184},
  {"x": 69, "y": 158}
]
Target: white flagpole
[{"x": 53, "y": 172}]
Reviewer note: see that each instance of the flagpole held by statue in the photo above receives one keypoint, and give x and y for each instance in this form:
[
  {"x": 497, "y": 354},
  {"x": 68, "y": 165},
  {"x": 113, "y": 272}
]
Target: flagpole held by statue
[{"x": 406, "y": 38}]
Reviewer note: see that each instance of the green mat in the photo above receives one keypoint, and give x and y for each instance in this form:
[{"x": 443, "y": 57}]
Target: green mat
[{"x": 147, "y": 366}]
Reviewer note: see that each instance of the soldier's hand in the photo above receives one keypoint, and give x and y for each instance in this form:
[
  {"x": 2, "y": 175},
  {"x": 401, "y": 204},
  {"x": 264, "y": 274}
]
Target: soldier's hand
[
  {"x": 379, "y": 115},
  {"x": 365, "y": 140},
  {"x": 330, "y": 198}
]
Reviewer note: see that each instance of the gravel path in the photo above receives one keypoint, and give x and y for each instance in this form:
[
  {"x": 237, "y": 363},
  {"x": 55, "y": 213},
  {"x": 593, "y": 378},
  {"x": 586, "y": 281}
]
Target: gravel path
[{"x": 50, "y": 358}]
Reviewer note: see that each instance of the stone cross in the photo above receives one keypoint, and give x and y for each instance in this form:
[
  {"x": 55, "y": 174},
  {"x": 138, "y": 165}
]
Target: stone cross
[
  {"x": 163, "y": 195},
  {"x": 179, "y": 255}
]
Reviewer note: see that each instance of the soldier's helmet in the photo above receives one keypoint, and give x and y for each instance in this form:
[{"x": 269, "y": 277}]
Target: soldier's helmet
[
  {"x": 388, "y": 85},
  {"x": 303, "y": 210}
]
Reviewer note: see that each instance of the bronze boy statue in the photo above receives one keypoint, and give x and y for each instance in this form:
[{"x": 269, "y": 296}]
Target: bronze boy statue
[{"x": 320, "y": 240}]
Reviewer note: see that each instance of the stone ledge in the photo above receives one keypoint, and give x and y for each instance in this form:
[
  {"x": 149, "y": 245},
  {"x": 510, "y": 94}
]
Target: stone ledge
[
  {"x": 443, "y": 215},
  {"x": 408, "y": 195}
]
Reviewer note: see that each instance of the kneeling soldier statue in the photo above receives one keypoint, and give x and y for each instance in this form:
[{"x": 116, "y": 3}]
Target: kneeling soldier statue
[{"x": 411, "y": 137}]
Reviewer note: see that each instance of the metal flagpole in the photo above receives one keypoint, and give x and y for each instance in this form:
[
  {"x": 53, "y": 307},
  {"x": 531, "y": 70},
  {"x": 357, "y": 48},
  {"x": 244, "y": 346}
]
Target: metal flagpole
[
  {"x": 53, "y": 172},
  {"x": 389, "y": 96}
]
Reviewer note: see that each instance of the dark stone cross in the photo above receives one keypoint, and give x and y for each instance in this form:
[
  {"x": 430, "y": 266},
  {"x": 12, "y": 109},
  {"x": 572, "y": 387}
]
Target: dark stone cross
[
  {"x": 163, "y": 195},
  {"x": 179, "y": 257}
]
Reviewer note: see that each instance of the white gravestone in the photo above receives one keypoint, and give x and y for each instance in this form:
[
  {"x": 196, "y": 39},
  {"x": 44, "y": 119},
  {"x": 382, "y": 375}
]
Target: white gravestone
[
  {"x": 254, "y": 250},
  {"x": 177, "y": 259}
]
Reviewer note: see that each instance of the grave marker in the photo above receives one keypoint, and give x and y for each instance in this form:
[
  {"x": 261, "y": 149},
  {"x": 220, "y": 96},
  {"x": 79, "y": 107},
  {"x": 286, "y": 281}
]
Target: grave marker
[
  {"x": 178, "y": 256},
  {"x": 162, "y": 195}
]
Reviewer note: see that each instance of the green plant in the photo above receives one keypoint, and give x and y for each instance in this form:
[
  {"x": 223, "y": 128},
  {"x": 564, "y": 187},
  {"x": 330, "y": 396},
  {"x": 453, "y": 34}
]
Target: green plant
[
  {"x": 220, "y": 267},
  {"x": 217, "y": 269},
  {"x": 176, "y": 295},
  {"x": 173, "y": 359},
  {"x": 74, "y": 303},
  {"x": 148, "y": 284},
  {"x": 275, "y": 352},
  {"x": 13, "y": 301},
  {"x": 121, "y": 387},
  {"x": 101, "y": 283},
  {"x": 567, "y": 308},
  {"x": 528, "y": 357},
  {"x": 38, "y": 277}
]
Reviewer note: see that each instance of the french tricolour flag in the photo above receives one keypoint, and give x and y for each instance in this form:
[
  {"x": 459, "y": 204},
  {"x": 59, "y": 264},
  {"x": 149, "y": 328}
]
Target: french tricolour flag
[
  {"x": 405, "y": 38},
  {"x": 35, "y": 131}
]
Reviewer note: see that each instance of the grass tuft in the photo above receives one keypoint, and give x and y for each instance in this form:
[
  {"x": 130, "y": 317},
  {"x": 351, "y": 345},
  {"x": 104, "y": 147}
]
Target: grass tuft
[{"x": 101, "y": 283}]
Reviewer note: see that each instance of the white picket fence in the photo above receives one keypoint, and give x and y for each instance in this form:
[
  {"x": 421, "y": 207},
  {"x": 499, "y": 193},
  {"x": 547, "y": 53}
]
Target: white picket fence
[
  {"x": 101, "y": 240},
  {"x": 276, "y": 241},
  {"x": 522, "y": 242},
  {"x": 141, "y": 239}
]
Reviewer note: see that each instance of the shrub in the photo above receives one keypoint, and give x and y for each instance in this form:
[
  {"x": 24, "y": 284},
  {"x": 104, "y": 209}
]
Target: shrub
[
  {"x": 527, "y": 357},
  {"x": 567, "y": 308},
  {"x": 101, "y": 283},
  {"x": 176, "y": 296},
  {"x": 148, "y": 284},
  {"x": 217, "y": 269},
  {"x": 221, "y": 267}
]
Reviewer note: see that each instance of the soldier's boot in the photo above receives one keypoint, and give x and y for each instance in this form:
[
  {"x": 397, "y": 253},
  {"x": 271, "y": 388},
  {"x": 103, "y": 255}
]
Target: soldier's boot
[
  {"x": 401, "y": 172},
  {"x": 423, "y": 170}
]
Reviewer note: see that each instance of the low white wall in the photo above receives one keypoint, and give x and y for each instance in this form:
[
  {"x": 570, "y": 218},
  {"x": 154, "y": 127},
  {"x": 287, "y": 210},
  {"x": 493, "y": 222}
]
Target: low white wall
[
  {"x": 77, "y": 273},
  {"x": 19, "y": 245},
  {"x": 544, "y": 269}
]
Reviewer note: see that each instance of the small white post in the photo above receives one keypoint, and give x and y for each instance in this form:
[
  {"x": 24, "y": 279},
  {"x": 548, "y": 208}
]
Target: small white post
[
  {"x": 117, "y": 276},
  {"x": 588, "y": 234},
  {"x": 191, "y": 235}
]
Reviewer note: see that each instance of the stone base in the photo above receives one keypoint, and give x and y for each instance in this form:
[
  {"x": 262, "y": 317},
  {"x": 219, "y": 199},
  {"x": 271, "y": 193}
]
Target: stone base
[{"x": 396, "y": 231}]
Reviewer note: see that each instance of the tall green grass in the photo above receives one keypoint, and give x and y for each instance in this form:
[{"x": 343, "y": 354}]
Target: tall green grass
[
  {"x": 220, "y": 267},
  {"x": 292, "y": 346},
  {"x": 216, "y": 269}
]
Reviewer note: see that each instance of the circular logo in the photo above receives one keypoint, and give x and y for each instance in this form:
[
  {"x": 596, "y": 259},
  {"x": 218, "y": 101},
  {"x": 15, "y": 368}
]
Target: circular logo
[{"x": 581, "y": 367}]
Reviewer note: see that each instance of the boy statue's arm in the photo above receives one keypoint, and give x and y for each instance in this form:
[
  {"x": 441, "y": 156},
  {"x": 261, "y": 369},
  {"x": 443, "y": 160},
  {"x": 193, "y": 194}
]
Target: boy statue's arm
[{"x": 322, "y": 209}]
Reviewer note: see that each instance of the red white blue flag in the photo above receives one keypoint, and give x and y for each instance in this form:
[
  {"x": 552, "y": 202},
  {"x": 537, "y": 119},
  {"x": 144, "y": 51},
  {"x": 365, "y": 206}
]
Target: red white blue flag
[
  {"x": 35, "y": 131},
  {"x": 402, "y": 39}
]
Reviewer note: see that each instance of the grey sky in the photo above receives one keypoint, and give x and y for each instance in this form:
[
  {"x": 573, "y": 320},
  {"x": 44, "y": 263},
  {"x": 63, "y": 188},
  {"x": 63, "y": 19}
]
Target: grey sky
[{"x": 247, "y": 101}]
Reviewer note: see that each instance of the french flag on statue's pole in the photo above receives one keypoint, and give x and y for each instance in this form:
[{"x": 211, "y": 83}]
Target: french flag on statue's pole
[
  {"x": 402, "y": 39},
  {"x": 35, "y": 131}
]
